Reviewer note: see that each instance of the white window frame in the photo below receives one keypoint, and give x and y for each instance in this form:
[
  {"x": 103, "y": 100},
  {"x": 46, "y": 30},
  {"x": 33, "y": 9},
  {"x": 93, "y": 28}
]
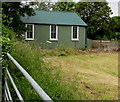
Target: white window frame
[
  {"x": 75, "y": 39},
  {"x": 56, "y": 33},
  {"x": 32, "y": 32}
]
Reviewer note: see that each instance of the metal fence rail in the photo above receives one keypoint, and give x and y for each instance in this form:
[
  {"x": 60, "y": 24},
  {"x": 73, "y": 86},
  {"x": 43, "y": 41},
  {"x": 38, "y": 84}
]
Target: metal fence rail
[
  {"x": 8, "y": 91},
  {"x": 37, "y": 88},
  {"x": 14, "y": 86}
]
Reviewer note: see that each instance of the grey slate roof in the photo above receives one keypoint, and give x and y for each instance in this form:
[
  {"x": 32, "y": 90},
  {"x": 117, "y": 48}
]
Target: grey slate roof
[{"x": 54, "y": 17}]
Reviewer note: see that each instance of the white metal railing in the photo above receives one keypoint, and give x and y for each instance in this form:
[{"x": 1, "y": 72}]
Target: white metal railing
[
  {"x": 37, "y": 88},
  {"x": 7, "y": 94},
  {"x": 8, "y": 91},
  {"x": 14, "y": 86}
]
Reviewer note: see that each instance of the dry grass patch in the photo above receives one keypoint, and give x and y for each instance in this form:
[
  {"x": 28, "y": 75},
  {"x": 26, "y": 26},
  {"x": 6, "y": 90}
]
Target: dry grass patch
[{"x": 94, "y": 74}]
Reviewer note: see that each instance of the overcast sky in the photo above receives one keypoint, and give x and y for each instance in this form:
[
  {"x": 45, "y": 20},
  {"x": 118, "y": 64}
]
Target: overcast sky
[{"x": 114, "y": 6}]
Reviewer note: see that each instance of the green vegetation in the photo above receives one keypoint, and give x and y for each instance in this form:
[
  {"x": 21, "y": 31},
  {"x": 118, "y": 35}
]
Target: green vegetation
[
  {"x": 64, "y": 73},
  {"x": 59, "y": 51},
  {"x": 94, "y": 74},
  {"x": 6, "y": 43},
  {"x": 16, "y": 10},
  {"x": 64, "y": 6},
  {"x": 46, "y": 77},
  {"x": 115, "y": 27},
  {"x": 79, "y": 76}
]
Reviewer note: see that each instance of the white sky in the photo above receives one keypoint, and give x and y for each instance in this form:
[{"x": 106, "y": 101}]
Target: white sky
[{"x": 114, "y": 6}]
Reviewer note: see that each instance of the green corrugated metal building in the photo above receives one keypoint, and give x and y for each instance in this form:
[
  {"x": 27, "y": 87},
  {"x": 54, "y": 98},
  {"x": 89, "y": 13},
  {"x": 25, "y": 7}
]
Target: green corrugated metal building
[{"x": 51, "y": 29}]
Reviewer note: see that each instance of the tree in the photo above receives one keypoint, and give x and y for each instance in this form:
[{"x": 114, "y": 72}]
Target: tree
[
  {"x": 43, "y": 5},
  {"x": 64, "y": 6},
  {"x": 97, "y": 16},
  {"x": 115, "y": 27},
  {"x": 12, "y": 11}
]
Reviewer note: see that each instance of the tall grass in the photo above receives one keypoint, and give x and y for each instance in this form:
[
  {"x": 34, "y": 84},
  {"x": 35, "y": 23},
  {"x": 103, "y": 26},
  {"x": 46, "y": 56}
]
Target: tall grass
[
  {"x": 60, "y": 51},
  {"x": 47, "y": 78}
]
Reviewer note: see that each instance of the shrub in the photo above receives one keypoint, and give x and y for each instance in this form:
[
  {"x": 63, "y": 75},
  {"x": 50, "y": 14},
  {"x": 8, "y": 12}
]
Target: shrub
[
  {"x": 7, "y": 32},
  {"x": 5, "y": 43}
]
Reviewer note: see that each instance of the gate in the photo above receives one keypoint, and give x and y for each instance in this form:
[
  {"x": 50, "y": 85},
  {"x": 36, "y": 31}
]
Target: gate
[{"x": 37, "y": 88}]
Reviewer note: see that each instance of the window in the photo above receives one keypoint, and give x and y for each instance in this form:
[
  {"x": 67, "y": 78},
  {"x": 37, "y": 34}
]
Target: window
[
  {"x": 53, "y": 32},
  {"x": 75, "y": 33},
  {"x": 30, "y": 32}
]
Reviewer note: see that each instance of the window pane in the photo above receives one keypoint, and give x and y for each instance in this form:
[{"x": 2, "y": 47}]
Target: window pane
[
  {"x": 52, "y": 35},
  {"x": 52, "y": 28},
  {"x": 74, "y": 32},
  {"x": 29, "y": 35},
  {"x": 53, "y": 31},
  {"x": 29, "y": 31},
  {"x": 29, "y": 27},
  {"x": 75, "y": 35}
]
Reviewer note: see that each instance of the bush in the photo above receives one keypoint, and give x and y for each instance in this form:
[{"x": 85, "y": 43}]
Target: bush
[
  {"x": 6, "y": 44},
  {"x": 8, "y": 33}
]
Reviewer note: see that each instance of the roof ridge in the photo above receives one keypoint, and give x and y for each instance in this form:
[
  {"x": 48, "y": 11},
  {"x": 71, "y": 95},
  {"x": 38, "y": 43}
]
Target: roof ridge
[{"x": 56, "y": 11}]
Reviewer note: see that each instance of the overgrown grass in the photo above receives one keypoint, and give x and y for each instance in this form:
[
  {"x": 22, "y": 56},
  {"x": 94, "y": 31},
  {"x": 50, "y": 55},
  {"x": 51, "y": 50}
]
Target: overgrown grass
[
  {"x": 48, "y": 78},
  {"x": 65, "y": 73},
  {"x": 59, "y": 51}
]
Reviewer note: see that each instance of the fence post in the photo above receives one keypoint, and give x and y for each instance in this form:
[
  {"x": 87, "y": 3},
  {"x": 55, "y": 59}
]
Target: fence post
[{"x": 3, "y": 83}]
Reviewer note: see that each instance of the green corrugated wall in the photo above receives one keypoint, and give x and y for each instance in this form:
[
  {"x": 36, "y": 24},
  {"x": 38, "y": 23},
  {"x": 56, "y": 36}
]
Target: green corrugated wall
[
  {"x": 42, "y": 35},
  {"x": 89, "y": 43}
]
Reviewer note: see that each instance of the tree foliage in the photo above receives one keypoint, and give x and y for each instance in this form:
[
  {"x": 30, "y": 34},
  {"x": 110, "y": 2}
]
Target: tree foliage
[
  {"x": 5, "y": 42},
  {"x": 115, "y": 27},
  {"x": 64, "y": 6},
  {"x": 97, "y": 16},
  {"x": 12, "y": 11},
  {"x": 43, "y": 5}
]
